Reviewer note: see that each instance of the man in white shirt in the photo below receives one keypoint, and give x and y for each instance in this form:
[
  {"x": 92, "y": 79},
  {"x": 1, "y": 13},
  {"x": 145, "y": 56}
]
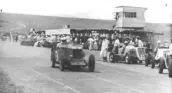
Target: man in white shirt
[
  {"x": 140, "y": 43},
  {"x": 116, "y": 44},
  {"x": 104, "y": 49},
  {"x": 90, "y": 40}
]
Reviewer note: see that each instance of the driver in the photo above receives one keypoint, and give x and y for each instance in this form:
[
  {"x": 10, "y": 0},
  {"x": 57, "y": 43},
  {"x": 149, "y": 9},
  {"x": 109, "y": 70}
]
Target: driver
[
  {"x": 63, "y": 42},
  {"x": 126, "y": 42}
]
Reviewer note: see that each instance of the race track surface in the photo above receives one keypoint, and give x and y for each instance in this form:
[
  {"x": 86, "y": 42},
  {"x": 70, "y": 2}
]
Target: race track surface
[{"x": 31, "y": 68}]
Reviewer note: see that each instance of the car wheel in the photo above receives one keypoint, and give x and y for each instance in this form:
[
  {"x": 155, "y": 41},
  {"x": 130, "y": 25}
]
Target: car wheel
[
  {"x": 52, "y": 59},
  {"x": 170, "y": 68},
  {"x": 152, "y": 64},
  {"x": 147, "y": 62},
  {"x": 62, "y": 65},
  {"x": 91, "y": 63},
  {"x": 161, "y": 65},
  {"x": 127, "y": 59},
  {"x": 111, "y": 57}
]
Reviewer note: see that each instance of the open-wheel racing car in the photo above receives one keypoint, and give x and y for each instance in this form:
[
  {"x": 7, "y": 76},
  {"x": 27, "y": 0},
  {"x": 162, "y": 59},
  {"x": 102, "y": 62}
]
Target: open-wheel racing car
[
  {"x": 164, "y": 60},
  {"x": 131, "y": 54},
  {"x": 71, "y": 55}
]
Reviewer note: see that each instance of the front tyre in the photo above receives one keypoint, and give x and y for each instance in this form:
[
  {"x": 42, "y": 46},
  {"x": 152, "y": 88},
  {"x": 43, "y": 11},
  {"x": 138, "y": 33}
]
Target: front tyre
[
  {"x": 111, "y": 57},
  {"x": 62, "y": 65},
  {"x": 127, "y": 59},
  {"x": 152, "y": 64},
  {"x": 91, "y": 63},
  {"x": 147, "y": 62},
  {"x": 161, "y": 65}
]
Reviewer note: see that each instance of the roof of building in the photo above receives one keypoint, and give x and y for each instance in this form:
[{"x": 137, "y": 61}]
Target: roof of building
[{"x": 131, "y": 7}]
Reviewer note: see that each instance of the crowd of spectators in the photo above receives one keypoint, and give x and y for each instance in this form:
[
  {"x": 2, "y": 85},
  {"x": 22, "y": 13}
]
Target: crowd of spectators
[{"x": 91, "y": 42}]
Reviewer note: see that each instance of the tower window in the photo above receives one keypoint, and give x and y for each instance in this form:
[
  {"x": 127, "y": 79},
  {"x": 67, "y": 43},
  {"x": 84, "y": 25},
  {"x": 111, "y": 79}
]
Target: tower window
[{"x": 130, "y": 14}]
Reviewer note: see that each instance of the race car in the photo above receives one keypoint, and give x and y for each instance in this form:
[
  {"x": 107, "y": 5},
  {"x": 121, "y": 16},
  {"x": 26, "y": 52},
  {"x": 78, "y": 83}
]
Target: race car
[
  {"x": 131, "y": 54},
  {"x": 71, "y": 55},
  {"x": 164, "y": 60}
]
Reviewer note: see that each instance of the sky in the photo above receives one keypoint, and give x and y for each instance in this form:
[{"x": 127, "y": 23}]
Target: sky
[{"x": 157, "y": 11}]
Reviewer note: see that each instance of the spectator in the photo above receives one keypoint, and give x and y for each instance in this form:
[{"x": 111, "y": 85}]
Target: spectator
[
  {"x": 104, "y": 48},
  {"x": 16, "y": 38},
  {"x": 116, "y": 45},
  {"x": 158, "y": 46},
  {"x": 140, "y": 43},
  {"x": 90, "y": 40}
]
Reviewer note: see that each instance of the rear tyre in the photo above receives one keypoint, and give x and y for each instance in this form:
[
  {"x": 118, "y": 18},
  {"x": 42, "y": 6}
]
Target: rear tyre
[
  {"x": 91, "y": 64},
  {"x": 111, "y": 57},
  {"x": 161, "y": 65},
  {"x": 147, "y": 62},
  {"x": 52, "y": 59}
]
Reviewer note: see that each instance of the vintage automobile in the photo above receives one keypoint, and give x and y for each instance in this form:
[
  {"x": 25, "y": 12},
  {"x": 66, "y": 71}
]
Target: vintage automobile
[
  {"x": 71, "y": 55},
  {"x": 156, "y": 56},
  {"x": 27, "y": 42},
  {"x": 131, "y": 54},
  {"x": 164, "y": 59}
]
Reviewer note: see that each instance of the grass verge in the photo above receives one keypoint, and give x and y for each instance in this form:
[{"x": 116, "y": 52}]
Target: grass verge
[{"x": 6, "y": 84}]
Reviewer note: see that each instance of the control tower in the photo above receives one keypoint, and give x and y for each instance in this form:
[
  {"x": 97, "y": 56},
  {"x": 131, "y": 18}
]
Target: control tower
[{"x": 130, "y": 18}]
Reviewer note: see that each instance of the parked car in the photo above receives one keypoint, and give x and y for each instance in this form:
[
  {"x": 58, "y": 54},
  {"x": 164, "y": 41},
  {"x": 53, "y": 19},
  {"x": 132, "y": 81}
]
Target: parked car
[
  {"x": 131, "y": 54},
  {"x": 69, "y": 55}
]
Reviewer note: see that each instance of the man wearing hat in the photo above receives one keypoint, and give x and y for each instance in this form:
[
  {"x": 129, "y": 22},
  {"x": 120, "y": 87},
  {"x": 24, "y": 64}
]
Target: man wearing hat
[
  {"x": 11, "y": 37},
  {"x": 158, "y": 46}
]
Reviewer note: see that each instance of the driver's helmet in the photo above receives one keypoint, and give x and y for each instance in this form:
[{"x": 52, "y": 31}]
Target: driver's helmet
[
  {"x": 158, "y": 42},
  {"x": 125, "y": 42},
  {"x": 68, "y": 38},
  {"x": 63, "y": 39}
]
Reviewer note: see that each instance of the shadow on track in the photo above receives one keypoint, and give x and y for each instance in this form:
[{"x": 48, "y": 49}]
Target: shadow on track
[{"x": 78, "y": 69}]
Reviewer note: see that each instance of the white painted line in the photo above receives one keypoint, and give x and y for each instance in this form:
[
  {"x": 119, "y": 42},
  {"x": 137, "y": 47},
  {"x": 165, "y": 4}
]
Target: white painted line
[
  {"x": 100, "y": 78},
  {"x": 49, "y": 78}
]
